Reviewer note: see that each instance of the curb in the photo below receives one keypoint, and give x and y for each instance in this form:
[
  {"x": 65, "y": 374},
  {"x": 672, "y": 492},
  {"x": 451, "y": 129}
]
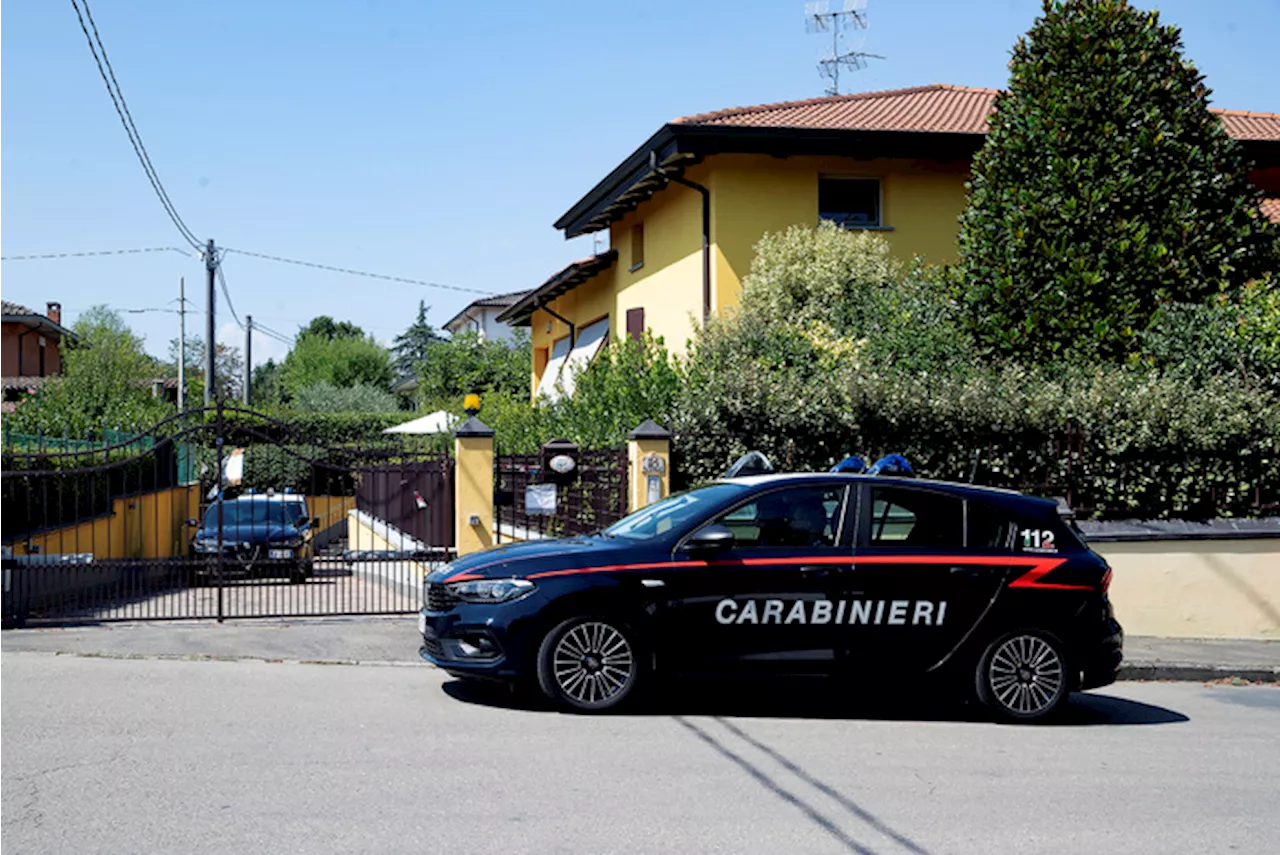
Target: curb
[{"x": 1188, "y": 672}]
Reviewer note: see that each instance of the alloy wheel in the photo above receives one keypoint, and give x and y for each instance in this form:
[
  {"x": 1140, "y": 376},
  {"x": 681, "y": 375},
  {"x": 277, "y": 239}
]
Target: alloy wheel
[
  {"x": 593, "y": 664},
  {"x": 1026, "y": 676}
]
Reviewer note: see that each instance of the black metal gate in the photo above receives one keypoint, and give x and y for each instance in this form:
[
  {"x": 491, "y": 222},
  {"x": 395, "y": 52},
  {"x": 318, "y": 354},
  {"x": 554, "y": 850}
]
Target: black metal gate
[
  {"x": 221, "y": 513},
  {"x": 596, "y": 498}
]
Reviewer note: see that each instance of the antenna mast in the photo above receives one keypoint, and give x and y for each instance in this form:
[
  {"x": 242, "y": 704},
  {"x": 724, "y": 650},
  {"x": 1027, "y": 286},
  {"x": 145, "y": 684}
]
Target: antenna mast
[{"x": 819, "y": 17}]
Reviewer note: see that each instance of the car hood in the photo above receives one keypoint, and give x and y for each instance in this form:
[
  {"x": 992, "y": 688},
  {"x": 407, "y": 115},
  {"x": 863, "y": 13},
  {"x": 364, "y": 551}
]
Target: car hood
[
  {"x": 255, "y": 534},
  {"x": 538, "y": 556}
]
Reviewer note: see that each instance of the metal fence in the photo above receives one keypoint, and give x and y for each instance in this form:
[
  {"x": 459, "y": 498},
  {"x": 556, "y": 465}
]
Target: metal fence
[
  {"x": 595, "y": 498},
  {"x": 222, "y": 513}
]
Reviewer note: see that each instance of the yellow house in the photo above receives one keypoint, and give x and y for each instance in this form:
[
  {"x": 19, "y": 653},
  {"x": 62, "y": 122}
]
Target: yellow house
[{"x": 685, "y": 210}]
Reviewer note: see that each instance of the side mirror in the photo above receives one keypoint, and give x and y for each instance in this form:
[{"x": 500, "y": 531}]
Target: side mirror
[
  {"x": 712, "y": 538},
  {"x": 315, "y": 522},
  {"x": 192, "y": 521}
]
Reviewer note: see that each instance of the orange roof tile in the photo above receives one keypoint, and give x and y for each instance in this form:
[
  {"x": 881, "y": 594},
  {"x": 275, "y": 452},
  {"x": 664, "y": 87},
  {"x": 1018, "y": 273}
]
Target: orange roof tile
[{"x": 937, "y": 108}]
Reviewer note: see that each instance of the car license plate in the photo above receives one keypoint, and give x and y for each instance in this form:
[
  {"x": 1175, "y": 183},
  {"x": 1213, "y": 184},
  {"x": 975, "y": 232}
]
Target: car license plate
[
  {"x": 279, "y": 553},
  {"x": 422, "y": 624}
]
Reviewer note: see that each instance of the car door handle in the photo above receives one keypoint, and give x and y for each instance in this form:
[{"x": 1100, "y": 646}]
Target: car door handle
[
  {"x": 815, "y": 572},
  {"x": 971, "y": 572},
  {"x": 652, "y": 583}
]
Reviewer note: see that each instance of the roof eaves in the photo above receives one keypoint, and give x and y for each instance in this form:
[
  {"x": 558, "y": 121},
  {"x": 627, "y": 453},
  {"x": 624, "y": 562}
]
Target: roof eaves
[{"x": 561, "y": 282}]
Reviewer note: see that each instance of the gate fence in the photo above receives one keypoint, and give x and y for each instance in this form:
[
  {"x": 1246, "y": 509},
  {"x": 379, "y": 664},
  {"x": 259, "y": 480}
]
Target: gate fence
[
  {"x": 222, "y": 513},
  {"x": 595, "y": 498}
]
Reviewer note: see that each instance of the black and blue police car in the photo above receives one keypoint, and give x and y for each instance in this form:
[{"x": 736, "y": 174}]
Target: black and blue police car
[{"x": 847, "y": 573}]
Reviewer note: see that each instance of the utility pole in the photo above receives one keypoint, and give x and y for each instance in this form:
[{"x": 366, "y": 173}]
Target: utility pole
[
  {"x": 248, "y": 355},
  {"x": 182, "y": 342},
  {"x": 210, "y": 346}
]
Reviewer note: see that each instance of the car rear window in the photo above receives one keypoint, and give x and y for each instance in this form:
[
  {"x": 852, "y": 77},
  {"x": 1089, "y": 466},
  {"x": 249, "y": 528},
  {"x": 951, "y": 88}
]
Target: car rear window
[{"x": 916, "y": 519}]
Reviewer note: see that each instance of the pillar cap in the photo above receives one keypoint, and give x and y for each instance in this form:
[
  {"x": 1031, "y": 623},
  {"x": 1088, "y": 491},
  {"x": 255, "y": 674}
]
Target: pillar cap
[
  {"x": 472, "y": 427},
  {"x": 649, "y": 429}
]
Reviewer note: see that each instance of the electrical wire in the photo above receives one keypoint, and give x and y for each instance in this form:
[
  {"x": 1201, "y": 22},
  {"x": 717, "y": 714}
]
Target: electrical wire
[
  {"x": 126, "y": 119},
  {"x": 351, "y": 272},
  {"x": 226, "y": 293},
  {"x": 273, "y": 334},
  {"x": 97, "y": 252}
]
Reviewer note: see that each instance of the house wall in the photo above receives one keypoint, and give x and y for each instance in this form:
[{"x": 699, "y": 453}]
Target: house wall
[
  {"x": 754, "y": 194},
  {"x": 149, "y": 525},
  {"x": 11, "y": 337},
  {"x": 484, "y": 321},
  {"x": 750, "y": 195}
]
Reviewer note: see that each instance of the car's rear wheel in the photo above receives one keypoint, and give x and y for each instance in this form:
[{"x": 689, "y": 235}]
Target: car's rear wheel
[
  {"x": 1023, "y": 676},
  {"x": 589, "y": 664}
]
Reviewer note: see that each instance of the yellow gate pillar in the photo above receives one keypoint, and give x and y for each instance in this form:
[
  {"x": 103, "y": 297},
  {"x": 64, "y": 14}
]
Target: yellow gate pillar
[
  {"x": 649, "y": 459},
  {"x": 473, "y": 486}
]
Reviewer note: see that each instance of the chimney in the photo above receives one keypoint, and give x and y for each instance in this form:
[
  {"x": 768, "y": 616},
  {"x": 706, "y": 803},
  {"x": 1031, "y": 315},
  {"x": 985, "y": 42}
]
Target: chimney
[{"x": 54, "y": 312}]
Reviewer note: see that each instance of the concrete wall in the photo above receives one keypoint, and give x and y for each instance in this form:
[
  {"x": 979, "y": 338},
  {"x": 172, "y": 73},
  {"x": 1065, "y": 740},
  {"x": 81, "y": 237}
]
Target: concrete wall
[{"x": 1196, "y": 588}]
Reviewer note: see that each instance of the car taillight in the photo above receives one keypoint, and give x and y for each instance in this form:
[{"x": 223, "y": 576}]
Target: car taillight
[{"x": 1106, "y": 581}]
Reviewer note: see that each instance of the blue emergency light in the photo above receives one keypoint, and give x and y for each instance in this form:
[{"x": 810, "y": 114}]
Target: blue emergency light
[
  {"x": 852, "y": 463},
  {"x": 892, "y": 465}
]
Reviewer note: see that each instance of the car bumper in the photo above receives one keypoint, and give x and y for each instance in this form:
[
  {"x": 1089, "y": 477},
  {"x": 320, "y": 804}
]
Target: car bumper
[
  {"x": 1100, "y": 663},
  {"x": 466, "y": 645}
]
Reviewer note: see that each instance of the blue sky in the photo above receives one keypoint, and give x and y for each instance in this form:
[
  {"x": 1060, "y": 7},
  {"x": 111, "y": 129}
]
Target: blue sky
[{"x": 429, "y": 140}]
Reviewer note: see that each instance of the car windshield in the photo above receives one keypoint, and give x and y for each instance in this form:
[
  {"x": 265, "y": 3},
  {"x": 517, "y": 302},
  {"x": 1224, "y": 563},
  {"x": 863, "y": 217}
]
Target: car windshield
[
  {"x": 253, "y": 513},
  {"x": 673, "y": 512}
]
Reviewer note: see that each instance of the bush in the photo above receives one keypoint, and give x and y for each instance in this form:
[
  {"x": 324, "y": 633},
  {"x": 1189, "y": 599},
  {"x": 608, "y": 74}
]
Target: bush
[
  {"x": 465, "y": 364},
  {"x": 1116, "y": 442},
  {"x": 1105, "y": 189},
  {"x": 362, "y": 398}
]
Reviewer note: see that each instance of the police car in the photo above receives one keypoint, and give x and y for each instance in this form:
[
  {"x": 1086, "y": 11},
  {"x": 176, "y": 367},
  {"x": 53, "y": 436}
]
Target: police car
[{"x": 860, "y": 576}]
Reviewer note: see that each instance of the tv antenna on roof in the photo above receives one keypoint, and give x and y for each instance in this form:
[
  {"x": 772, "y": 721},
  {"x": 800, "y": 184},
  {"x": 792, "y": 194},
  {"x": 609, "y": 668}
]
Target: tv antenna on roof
[{"x": 819, "y": 17}]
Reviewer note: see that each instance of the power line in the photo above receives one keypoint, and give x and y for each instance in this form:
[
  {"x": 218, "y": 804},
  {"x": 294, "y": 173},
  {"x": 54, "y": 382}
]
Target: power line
[
  {"x": 126, "y": 119},
  {"x": 351, "y": 272},
  {"x": 222, "y": 280},
  {"x": 278, "y": 336},
  {"x": 97, "y": 252}
]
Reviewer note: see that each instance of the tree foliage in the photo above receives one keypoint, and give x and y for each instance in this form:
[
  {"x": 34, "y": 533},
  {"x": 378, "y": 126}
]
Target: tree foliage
[
  {"x": 1105, "y": 190},
  {"x": 463, "y": 364},
  {"x": 106, "y": 383},
  {"x": 411, "y": 347},
  {"x": 325, "y": 397},
  {"x": 228, "y": 365},
  {"x": 348, "y": 357}
]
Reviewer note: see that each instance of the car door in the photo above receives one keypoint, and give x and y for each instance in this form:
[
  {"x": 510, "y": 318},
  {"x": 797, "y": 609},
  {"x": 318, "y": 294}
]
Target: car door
[
  {"x": 764, "y": 604},
  {"x": 922, "y": 577}
]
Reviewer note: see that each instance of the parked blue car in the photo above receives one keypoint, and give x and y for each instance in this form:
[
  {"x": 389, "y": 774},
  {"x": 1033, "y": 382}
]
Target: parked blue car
[{"x": 262, "y": 536}]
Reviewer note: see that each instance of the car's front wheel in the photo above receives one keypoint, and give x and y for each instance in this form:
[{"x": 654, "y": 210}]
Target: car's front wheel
[
  {"x": 589, "y": 664},
  {"x": 1023, "y": 676}
]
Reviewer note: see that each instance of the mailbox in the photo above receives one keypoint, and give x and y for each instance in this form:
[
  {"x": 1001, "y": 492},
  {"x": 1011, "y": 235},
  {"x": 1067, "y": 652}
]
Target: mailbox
[{"x": 559, "y": 462}]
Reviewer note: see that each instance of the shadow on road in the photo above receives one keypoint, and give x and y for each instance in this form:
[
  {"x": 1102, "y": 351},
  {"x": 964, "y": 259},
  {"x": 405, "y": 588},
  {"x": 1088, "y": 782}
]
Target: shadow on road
[{"x": 816, "y": 700}]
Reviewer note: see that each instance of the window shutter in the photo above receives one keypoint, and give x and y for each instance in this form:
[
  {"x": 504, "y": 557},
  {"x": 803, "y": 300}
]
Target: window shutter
[{"x": 635, "y": 324}]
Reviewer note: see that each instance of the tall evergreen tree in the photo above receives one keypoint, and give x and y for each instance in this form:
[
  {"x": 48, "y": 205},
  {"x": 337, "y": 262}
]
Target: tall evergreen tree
[
  {"x": 410, "y": 348},
  {"x": 1105, "y": 189}
]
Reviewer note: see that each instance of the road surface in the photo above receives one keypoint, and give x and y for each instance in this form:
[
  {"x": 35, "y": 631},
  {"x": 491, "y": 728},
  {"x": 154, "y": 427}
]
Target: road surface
[{"x": 162, "y": 755}]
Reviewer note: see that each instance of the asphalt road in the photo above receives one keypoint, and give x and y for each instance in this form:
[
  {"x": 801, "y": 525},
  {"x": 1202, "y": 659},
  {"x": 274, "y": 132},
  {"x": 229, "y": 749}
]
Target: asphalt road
[{"x": 146, "y": 755}]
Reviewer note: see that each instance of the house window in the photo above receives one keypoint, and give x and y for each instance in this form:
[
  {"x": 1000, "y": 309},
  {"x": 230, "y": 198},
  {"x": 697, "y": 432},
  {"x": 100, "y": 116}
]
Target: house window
[
  {"x": 635, "y": 324},
  {"x": 851, "y": 203},
  {"x": 637, "y": 246}
]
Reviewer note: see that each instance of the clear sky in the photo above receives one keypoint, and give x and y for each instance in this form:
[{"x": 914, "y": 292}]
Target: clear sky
[{"x": 429, "y": 140}]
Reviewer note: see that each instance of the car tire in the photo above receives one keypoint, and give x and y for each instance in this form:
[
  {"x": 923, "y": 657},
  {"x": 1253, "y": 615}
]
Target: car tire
[
  {"x": 1024, "y": 676},
  {"x": 589, "y": 664}
]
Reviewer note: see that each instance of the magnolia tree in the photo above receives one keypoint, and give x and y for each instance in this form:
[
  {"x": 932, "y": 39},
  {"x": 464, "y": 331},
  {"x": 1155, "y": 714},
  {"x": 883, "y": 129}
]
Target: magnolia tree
[{"x": 1105, "y": 189}]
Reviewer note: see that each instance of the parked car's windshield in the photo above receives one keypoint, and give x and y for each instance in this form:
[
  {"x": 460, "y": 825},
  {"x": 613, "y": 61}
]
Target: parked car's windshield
[
  {"x": 251, "y": 513},
  {"x": 673, "y": 512}
]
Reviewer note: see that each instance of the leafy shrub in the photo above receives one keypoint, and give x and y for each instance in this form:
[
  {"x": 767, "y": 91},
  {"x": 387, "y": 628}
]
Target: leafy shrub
[
  {"x": 1105, "y": 188},
  {"x": 361, "y": 398}
]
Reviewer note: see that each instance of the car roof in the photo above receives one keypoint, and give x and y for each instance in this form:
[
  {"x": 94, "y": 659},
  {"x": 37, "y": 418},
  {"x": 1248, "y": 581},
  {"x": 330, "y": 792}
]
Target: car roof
[
  {"x": 785, "y": 477},
  {"x": 277, "y": 497}
]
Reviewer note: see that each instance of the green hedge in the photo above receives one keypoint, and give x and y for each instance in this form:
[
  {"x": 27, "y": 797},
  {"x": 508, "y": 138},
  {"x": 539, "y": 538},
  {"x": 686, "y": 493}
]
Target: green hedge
[{"x": 1118, "y": 443}]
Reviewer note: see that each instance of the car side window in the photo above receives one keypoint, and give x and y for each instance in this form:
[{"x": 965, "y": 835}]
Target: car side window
[
  {"x": 916, "y": 519},
  {"x": 987, "y": 527},
  {"x": 796, "y": 517}
]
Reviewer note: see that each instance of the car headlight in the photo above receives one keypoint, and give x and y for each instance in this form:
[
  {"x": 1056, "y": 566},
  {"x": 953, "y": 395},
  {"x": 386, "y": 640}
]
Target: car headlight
[
  {"x": 292, "y": 543},
  {"x": 490, "y": 590},
  {"x": 203, "y": 543}
]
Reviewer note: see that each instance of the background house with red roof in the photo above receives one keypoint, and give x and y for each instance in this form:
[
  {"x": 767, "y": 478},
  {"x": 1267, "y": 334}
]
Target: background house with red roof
[
  {"x": 686, "y": 208},
  {"x": 32, "y": 349}
]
